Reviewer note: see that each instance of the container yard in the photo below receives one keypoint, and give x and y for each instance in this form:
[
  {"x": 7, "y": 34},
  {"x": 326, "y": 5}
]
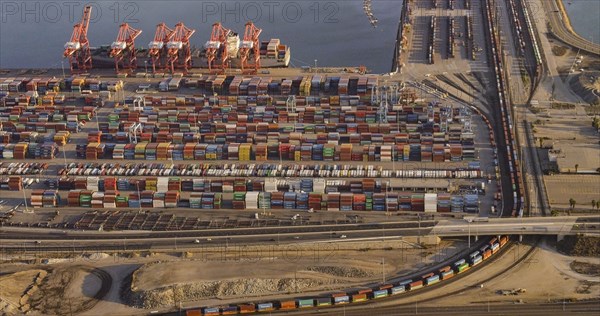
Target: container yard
[
  {"x": 210, "y": 178},
  {"x": 264, "y": 143}
]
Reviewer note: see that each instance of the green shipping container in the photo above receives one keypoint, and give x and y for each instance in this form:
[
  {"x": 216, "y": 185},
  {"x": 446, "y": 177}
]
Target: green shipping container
[{"x": 306, "y": 303}]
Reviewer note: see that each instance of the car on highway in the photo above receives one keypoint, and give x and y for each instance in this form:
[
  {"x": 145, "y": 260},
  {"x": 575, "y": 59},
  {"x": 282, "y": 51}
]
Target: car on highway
[{"x": 343, "y": 236}]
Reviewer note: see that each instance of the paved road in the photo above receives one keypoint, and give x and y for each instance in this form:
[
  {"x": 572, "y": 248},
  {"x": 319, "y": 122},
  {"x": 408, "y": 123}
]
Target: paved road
[{"x": 54, "y": 240}]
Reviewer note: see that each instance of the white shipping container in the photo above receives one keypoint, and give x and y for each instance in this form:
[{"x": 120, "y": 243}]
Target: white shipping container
[{"x": 430, "y": 202}]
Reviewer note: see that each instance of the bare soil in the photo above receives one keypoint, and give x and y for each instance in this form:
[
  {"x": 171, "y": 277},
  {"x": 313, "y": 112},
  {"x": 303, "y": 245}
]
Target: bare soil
[
  {"x": 66, "y": 291},
  {"x": 586, "y": 268}
]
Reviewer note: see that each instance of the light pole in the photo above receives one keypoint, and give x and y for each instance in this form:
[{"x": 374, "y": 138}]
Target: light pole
[
  {"x": 469, "y": 228},
  {"x": 25, "y": 201},
  {"x": 383, "y": 269},
  {"x": 137, "y": 184}
]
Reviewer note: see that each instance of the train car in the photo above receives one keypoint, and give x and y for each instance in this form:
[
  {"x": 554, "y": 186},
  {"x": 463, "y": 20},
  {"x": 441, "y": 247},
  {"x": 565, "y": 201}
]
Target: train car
[
  {"x": 305, "y": 303},
  {"x": 447, "y": 275},
  {"x": 265, "y": 307},
  {"x": 473, "y": 255},
  {"x": 503, "y": 240},
  {"x": 462, "y": 268},
  {"x": 484, "y": 248},
  {"x": 359, "y": 298},
  {"x": 445, "y": 269},
  {"x": 380, "y": 293},
  {"x": 495, "y": 248},
  {"x": 210, "y": 311},
  {"x": 476, "y": 260},
  {"x": 487, "y": 254},
  {"x": 459, "y": 262},
  {"x": 247, "y": 308},
  {"x": 397, "y": 290},
  {"x": 323, "y": 301},
  {"x": 286, "y": 305},
  {"x": 229, "y": 310},
  {"x": 405, "y": 283},
  {"x": 493, "y": 241},
  {"x": 196, "y": 312},
  {"x": 365, "y": 291},
  {"x": 432, "y": 279},
  {"x": 385, "y": 287},
  {"x": 415, "y": 285},
  {"x": 340, "y": 298},
  {"x": 428, "y": 275}
]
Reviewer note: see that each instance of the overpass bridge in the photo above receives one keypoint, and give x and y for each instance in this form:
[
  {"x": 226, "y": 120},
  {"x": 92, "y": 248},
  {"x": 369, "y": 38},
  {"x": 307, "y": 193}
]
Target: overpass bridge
[
  {"x": 33, "y": 239},
  {"x": 556, "y": 226}
]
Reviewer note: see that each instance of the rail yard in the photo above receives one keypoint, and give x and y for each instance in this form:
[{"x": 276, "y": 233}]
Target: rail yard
[{"x": 176, "y": 180}]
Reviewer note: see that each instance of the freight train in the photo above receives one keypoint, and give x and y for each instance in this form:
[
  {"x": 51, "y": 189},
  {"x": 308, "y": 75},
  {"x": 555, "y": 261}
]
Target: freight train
[{"x": 370, "y": 294}]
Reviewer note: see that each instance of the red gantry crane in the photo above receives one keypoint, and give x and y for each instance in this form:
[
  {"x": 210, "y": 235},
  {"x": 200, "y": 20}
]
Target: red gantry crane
[
  {"x": 123, "y": 49},
  {"x": 78, "y": 48},
  {"x": 179, "y": 50},
  {"x": 217, "y": 42},
  {"x": 250, "y": 43},
  {"x": 156, "y": 48}
]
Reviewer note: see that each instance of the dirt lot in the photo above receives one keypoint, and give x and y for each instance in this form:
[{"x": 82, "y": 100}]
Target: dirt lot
[
  {"x": 218, "y": 280},
  {"x": 54, "y": 290},
  {"x": 15, "y": 289},
  {"x": 582, "y": 188},
  {"x": 207, "y": 279},
  {"x": 546, "y": 276}
]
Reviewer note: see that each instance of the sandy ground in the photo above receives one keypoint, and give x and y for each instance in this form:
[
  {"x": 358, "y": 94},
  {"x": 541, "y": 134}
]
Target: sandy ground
[
  {"x": 545, "y": 275},
  {"x": 251, "y": 275},
  {"x": 583, "y": 189},
  {"x": 83, "y": 283},
  {"x": 14, "y": 286}
]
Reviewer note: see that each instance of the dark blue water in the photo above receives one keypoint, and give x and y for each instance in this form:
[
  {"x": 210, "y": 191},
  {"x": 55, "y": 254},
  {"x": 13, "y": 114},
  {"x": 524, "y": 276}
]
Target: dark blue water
[
  {"x": 585, "y": 18},
  {"x": 336, "y": 33}
]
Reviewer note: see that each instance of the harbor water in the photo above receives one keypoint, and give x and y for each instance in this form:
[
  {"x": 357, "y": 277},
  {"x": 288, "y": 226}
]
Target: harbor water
[
  {"x": 334, "y": 33},
  {"x": 585, "y": 18}
]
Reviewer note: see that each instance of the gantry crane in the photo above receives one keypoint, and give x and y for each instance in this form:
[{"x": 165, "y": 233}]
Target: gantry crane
[
  {"x": 123, "y": 49},
  {"x": 250, "y": 43},
  {"x": 217, "y": 42},
  {"x": 156, "y": 48},
  {"x": 78, "y": 48},
  {"x": 179, "y": 50}
]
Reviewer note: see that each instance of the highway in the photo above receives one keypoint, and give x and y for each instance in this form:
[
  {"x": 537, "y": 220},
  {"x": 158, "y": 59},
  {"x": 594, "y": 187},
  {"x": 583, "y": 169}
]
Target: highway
[
  {"x": 19, "y": 239},
  {"x": 558, "y": 28}
]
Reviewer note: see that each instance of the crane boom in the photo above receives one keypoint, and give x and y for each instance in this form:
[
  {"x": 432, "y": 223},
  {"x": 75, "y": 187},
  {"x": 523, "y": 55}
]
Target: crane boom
[
  {"x": 251, "y": 43},
  {"x": 217, "y": 42},
  {"x": 179, "y": 50},
  {"x": 123, "y": 49},
  {"x": 77, "y": 49},
  {"x": 157, "y": 48}
]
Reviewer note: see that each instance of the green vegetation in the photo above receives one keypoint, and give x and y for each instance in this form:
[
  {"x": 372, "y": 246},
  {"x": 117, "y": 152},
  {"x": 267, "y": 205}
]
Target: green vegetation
[
  {"x": 596, "y": 122},
  {"x": 562, "y": 106},
  {"x": 559, "y": 50},
  {"x": 580, "y": 245},
  {"x": 572, "y": 203},
  {"x": 525, "y": 78}
]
